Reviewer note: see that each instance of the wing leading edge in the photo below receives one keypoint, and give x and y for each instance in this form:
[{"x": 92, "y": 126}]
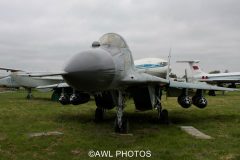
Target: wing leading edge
[{"x": 143, "y": 78}]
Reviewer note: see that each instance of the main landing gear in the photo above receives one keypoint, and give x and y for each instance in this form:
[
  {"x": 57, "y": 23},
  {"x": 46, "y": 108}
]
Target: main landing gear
[
  {"x": 29, "y": 94},
  {"x": 162, "y": 113},
  {"x": 233, "y": 85},
  {"x": 121, "y": 124}
]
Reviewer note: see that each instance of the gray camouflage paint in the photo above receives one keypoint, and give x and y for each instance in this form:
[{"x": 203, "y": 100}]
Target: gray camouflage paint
[{"x": 99, "y": 68}]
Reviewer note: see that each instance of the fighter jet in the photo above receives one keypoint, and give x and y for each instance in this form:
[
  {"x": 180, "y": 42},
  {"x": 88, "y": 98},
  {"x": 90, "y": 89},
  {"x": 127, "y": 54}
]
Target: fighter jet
[
  {"x": 107, "y": 72},
  {"x": 18, "y": 78}
]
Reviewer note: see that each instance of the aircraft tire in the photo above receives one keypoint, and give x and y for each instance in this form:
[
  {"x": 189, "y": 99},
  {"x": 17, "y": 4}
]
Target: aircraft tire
[
  {"x": 164, "y": 117},
  {"x": 29, "y": 97},
  {"x": 124, "y": 128}
]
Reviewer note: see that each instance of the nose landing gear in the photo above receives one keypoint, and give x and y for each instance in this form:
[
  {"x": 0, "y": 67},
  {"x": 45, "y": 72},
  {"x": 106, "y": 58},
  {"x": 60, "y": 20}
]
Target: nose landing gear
[{"x": 121, "y": 124}]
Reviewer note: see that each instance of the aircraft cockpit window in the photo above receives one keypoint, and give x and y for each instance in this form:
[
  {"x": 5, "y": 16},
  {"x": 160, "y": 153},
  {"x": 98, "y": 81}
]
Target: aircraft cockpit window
[{"x": 112, "y": 39}]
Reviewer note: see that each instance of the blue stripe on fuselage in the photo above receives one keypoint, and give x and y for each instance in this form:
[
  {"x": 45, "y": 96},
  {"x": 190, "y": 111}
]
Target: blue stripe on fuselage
[{"x": 145, "y": 66}]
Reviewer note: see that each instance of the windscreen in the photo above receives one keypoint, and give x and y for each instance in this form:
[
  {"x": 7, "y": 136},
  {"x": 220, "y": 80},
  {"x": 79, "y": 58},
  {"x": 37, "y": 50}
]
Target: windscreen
[{"x": 113, "y": 40}]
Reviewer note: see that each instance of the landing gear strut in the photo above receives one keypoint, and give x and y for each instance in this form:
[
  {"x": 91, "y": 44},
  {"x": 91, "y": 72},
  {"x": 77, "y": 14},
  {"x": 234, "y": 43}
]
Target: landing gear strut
[
  {"x": 162, "y": 115},
  {"x": 233, "y": 85},
  {"x": 29, "y": 95},
  {"x": 121, "y": 123},
  {"x": 211, "y": 93}
]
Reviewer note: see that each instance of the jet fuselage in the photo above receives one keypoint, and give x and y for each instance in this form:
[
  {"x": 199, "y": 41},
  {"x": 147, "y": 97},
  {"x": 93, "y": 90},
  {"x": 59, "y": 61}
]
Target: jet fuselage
[{"x": 100, "y": 68}]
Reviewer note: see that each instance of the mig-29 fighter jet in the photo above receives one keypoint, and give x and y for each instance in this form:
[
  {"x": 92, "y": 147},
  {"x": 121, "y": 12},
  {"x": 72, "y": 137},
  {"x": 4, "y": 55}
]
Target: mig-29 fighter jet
[{"x": 107, "y": 72}]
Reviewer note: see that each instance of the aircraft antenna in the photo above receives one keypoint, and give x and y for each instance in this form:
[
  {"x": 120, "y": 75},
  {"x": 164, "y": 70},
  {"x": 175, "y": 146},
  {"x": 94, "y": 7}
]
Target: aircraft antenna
[
  {"x": 169, "y": 61},
  {"x": 186, "y": 76}
]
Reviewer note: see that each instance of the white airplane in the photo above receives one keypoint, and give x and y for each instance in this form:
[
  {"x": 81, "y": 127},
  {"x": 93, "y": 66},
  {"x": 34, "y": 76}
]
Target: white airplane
[
  {"x": 154, "y": 66},
  {"x": 9, "y": 82},
  {"x": 218, "y": 78},
  {"x": 18, "y": 78}
]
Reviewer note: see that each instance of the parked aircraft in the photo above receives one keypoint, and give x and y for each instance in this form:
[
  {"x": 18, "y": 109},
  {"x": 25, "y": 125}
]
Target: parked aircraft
[
  {"x": 18, "y": 78},
  {"x": 108, "y": 73},
  {"x": 218, "y": 78},
  {"x": 231, "y": 78},
  {"x": 154, "y": 66},
  {"x": 8, "y": 81}
]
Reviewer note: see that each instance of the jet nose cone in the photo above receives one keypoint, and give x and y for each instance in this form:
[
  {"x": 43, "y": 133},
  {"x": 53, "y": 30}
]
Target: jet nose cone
[
  {"x": 91, "y": 60},
  {"x": 90, "y": 70}
]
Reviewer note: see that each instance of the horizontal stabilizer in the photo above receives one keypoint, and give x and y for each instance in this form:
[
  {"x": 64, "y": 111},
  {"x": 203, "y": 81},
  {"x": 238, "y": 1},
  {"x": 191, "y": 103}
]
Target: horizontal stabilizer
[{"x": 188, "y": 61}]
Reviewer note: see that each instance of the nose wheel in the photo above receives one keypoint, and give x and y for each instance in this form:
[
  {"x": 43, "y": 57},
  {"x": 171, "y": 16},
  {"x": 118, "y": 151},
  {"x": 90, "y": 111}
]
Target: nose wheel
[
  {"x": 121, "y": 124},
  {"x": 123, "y": 128}
]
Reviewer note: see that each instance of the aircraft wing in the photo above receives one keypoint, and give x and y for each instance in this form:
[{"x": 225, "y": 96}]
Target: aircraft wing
[
  {"x": 59, "y": 78},
  {"x": 229, "y": 80},
  {"x": 10, "y": 69},
  {"x": 59, "y": 85},
  {"x": 1, "y": 77},
  {"x": 198, "y": 85},
  {"x": 50, "y": 78},
  {"x": 143, "y": 78},
  {"x": 34, "y": 74},
  {"x": 43, "y": 74}
]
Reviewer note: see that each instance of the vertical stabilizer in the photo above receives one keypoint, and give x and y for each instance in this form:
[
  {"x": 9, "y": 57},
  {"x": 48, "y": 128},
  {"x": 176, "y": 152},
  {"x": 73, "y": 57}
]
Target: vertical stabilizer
[{"x": 194, "y": 66}]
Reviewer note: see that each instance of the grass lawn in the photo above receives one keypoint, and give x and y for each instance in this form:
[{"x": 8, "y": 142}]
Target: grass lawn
[{"x": 19, "y": 117}]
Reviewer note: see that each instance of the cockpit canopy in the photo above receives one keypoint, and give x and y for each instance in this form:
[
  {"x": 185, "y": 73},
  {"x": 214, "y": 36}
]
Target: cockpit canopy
[{"x": 113, "y": 40}]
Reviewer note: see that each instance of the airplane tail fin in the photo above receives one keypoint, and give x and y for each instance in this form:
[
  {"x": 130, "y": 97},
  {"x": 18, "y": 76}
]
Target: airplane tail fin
[{"x": 195, "y": 68}]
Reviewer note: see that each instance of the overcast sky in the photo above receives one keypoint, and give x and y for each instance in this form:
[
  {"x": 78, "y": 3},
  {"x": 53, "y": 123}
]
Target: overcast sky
[{"x": 42, "y": 35}]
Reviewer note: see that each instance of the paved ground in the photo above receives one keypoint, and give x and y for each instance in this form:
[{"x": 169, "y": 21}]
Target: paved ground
[{"x": 195, "y": 132}]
